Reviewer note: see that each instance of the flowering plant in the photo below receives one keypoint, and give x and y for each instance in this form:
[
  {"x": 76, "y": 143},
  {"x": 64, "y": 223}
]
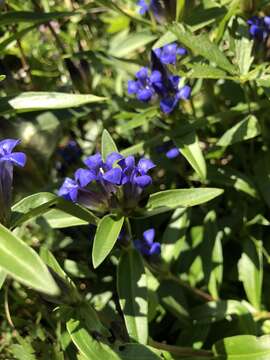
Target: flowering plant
[{"x": 134, "y": 180}]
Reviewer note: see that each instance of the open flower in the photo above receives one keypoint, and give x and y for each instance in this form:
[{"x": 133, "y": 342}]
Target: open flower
[
  {"x": 168, "y": 53},
  {"x": 146, "y": 245},
  {"x": 160, "y": 83},
  {"x": 116, "y": 182},
  {"x": 8, "y": 159}
]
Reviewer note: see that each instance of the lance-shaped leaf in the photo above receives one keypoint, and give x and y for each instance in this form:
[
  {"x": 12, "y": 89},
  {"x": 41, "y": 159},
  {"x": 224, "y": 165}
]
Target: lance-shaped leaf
[
  {"x": 21, "y": 262},
  {"x": 244, "y": 130},
  {"x": 107, "y": 144},
  {"x": 246, "y": 347},
  {"x": 41, "y": 100},
  {"x": 171, "y": 199},
  {"x": 250, "y": 268},
  {"x": 190, "y": 149},
  {"x": 132, "y": 292},
  {"x": 107, "y": 233},
  {"x": 92, "y": 349},
  {"x": 42, "y": 203},
  {"x": 201, "y": 45},
  {"x": 15, "y": 17}
]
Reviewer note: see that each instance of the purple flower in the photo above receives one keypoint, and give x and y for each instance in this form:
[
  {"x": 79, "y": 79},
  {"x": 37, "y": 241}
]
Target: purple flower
[
  {"x": 97, "y": 186},
  {"x": 168, "y": 53},
  {"x": 142, "y": 86},
  {"x": 146, "y": 245},
  {"x": 259, "y": 27},
  {"x": 160, "y": 83},
  {"x": 8, "y": 159},
  {"x": 171, "y": 152},
  {"x": 144, "y": 7}
]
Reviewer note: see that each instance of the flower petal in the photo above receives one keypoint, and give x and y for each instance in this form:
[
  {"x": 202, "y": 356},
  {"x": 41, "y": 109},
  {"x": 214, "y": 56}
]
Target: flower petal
[
  {"x": 155, "y": 249},
  {"x": 143, "y": 181},
  {"x": 144, "y": 165},
  {"x": 112, "y": 158},
  {"x": 113, "y": 176},
  {"x": 149, "y": 236},
  {"x": 83, "y": 177},
  {"x": 172, "y": 153},
  {"x": 94, "y": 162},
  {"x": 17, "y": 158},
  {"x": 7, "y": 145}
]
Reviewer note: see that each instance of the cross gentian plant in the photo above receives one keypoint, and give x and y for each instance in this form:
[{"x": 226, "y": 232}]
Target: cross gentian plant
[
  {"x": 8, "y": 159},
  {"x": 160, "y": 83},
  {"x": 116, "y": 183}
]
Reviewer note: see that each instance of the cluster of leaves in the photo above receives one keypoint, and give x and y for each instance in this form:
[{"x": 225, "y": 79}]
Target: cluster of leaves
[{"x": 69, "y": 289}]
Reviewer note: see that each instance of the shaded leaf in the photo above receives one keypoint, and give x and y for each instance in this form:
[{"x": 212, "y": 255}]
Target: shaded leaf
[
  {"x": 23, "y": 263},
  {"x": 106, "y": 236},
  {"x": 132, "y": 292}
]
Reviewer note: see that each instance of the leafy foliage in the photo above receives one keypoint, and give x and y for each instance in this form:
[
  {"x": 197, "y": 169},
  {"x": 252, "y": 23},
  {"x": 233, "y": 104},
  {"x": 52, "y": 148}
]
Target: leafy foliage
[{"x": 159, "y": 247}]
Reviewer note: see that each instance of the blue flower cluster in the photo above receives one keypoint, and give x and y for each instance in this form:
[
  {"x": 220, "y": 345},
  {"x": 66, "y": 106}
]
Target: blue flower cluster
[
  {"x": 259, "y": 27},
  {"x": 146, "y": 245},
  {"x": 98, "y": 186},
  {"x": 159, "y": 83},
  {"x": 8, "y": 159}
]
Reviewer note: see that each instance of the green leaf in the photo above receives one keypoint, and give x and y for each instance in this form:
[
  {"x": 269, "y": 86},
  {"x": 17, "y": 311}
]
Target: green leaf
[
  {"x": 69, "y": 214},
  {"x": 243, "y": 48},
  {"x": 138, "y": 351},
  {"x": 3, "y": 276},
  {"x": 171, "y": 199},
  {"x": 16, "y": 36},
  {"x": 107, "y": 144},
  {"x": 245, "y": 347},
  {"x": 167, "y": 38},
  {"x": 106, "y": 236},
  {"x": 32, "y": 206},
  {"x": 131, "y": 43},
  {"x": 203, "y": 71},
  {"x": 174, "y": 235},
  {"x": 87, "y": 345},
  {"x": 190, "y": 149},
  {"x": 132, "y": 292},
  {"x": 250, "y": 268},
  {"x": 2, "y": 77},
  {"x": 201, "y": 45},
  {"x": 227, "y": 176},
  {"x": 180, "y": 8},
  {"x": 41, "y": 100},
  {"x": 212, "y": 255},
  {"x": 233, "y": 6},
  {"x": 23, "y": 263},
  {"x": 16, "y": 17},
  {"x": 244, "y": 130},
  {"x": 215, "y": 311},
  {"x": 58, "y": 219}
]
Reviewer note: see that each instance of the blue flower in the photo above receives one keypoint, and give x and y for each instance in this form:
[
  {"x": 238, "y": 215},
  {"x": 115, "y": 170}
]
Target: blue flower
[
  {"x": 171, "y": 152},
  {"x": 160, "y": 83},
  {"x": 142, "y": 86},
  {"x": 8, "y": 159},
  {"x": 68, "y": 154},
  {"x": 146, "y": 245},
  {"x": 144, "y": 7},
  {"x": 168, "y": 53},
  {"x": 97, "y": 186},
  {"x": 259, "y": 27}
]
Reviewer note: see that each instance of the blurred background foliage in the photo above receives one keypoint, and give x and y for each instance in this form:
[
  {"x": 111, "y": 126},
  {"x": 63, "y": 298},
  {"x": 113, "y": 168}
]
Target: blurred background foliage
[{"x": 212, "y": 280}]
